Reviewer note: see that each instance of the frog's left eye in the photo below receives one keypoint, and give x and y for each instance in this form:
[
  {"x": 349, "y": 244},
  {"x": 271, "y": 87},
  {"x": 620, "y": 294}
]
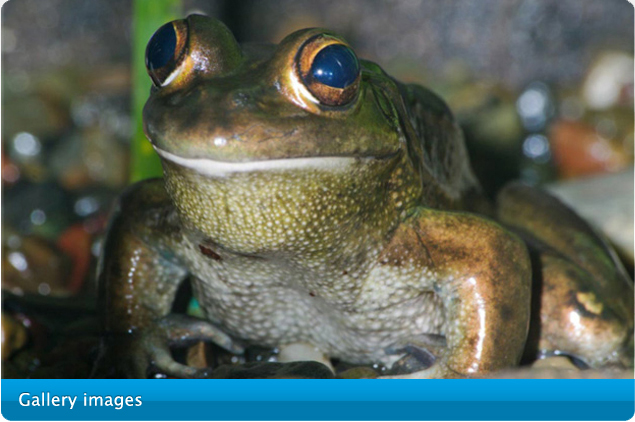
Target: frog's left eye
[
  {"x": 165, "y": 52},
  {"x": 330, "y": 71}
]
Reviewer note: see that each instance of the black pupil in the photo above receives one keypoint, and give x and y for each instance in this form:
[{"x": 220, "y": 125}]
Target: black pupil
[
  {"x": 161, "y": 47},
  {"x": 336, "y": 66}
]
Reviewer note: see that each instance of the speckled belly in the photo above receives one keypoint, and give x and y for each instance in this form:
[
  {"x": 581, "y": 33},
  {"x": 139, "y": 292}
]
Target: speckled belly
[{"x": 271, "y": 307}]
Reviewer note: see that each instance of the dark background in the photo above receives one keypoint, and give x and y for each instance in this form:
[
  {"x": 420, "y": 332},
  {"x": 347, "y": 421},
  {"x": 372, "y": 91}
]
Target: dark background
[{"x": 515, "y": 41}]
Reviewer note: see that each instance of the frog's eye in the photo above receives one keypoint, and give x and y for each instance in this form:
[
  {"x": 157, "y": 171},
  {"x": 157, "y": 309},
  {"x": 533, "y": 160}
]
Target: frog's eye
[
  {"x": 335, "y": 66},
  {"x": 165, "y": 52},
  {"x": 330, "y": 71}
]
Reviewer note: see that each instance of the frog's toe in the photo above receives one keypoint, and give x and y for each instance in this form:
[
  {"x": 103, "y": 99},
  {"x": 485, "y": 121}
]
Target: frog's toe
[
  {"x": 146, "y": 351},
  {"x": 183, "y": 330},
  {"x": 418, "y": 353},
  {"x": 163, "y": 362},
  {"x": 149, "y": 354}
]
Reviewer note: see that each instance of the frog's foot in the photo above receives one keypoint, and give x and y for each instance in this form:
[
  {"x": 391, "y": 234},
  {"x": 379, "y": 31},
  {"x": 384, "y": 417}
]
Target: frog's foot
[
  {"x": 422, "y": 357},
  {"x": 580, "y": 319},
  {"x": 416, "y": 354},
  {"x": 182, "y": 330},
  {"x": 149, "y": 348}
]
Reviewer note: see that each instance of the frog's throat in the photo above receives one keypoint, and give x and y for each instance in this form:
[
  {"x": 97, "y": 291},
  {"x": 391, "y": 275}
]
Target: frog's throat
[{"x": 214, "y": 168}]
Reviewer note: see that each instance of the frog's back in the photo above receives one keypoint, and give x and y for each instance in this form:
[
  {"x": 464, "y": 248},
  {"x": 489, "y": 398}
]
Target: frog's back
[{"x": 437, "y": 150}]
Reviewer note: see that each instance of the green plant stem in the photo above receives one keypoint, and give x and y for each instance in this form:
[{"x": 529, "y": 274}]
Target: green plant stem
[{"x": 148, "y": 16}]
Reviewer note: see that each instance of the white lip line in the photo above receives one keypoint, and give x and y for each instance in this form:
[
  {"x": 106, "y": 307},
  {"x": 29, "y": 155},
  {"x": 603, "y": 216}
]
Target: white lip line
[{"x": 209, "y": 167}]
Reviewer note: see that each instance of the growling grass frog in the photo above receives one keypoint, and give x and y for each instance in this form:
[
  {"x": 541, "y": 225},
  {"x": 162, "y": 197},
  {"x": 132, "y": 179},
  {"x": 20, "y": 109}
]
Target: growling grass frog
[{"x": 311, "y": 198}]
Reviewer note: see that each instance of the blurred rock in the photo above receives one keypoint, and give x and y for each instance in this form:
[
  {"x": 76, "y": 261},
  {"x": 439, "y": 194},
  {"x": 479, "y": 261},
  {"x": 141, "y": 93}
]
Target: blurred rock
[
  {"x": 92, "y": 157},
  {"x": 25, "y": 150},
  {"x": 74, "y": 122},
  {"x": 28, "y": 109},
  {"x": 606, "y": 202},
  {"x": 609, "y": 81},
  {"x": 14, "y": 336},
  {"x": 37, "y": 208},
  {"x": 76, "y": 243},
  {"x": 579, "y": 150},
  {"x": 32, "y": 265},
  {"x": 10, "y": 171},
  {"x": 303, "y": 352}
]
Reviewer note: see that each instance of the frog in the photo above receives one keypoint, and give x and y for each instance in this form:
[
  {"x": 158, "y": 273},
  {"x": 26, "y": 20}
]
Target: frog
[{"x": 311, "y": 198}]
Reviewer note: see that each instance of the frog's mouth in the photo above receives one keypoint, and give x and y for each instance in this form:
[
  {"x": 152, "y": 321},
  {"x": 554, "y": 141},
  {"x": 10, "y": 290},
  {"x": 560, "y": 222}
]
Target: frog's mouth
[{"x": 213, "y": 168}]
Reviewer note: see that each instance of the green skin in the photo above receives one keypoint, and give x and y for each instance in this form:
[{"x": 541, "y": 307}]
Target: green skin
[{"x": 359, "y": 229}]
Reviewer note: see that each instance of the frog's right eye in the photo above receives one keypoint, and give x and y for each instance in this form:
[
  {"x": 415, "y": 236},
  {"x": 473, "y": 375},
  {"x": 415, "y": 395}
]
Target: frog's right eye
[
  {"x": 329, "y": 70},
  {"x": 165, "y": 52}
]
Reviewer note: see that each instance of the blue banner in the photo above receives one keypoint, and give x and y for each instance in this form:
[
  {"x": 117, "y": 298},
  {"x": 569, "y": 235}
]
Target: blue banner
[{"x": 318, "y": 399}]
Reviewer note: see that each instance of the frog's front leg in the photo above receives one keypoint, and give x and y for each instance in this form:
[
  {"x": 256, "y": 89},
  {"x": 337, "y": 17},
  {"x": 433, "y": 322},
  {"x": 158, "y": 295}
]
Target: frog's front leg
[
  {"x": 138, "y": 281},
  {"x": 482, "y": 275}
]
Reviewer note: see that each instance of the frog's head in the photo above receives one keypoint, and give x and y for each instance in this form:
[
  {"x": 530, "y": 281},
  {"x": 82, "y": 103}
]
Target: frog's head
[
  {"x": 221, "y": 116},
  {"x": 220, "y": 108}
]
